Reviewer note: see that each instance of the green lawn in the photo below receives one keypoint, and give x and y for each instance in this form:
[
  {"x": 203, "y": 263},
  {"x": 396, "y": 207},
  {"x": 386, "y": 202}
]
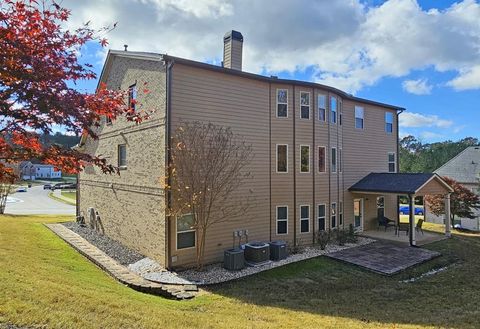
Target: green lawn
[
  {"x": 44, "y": 282},
  {"x": 71, "y": 195}
]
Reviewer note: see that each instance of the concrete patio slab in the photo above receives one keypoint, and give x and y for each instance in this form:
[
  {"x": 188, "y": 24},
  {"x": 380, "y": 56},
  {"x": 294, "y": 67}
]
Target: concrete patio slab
[{"x": 384, "y": 258}]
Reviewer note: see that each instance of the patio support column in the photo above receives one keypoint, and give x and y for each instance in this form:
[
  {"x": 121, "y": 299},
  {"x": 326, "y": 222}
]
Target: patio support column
[
  {"x": 411, "y": 219},
  {"x": 447, "y": 215}
]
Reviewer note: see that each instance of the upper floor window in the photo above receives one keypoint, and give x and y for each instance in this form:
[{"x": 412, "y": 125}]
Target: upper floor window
[
  {"x": 321, "y": 159},
  {"x": 322, "y": 107},
  {"x": 304, "y": 105},
  {"x": 340, "y": 160},
  {"x": 304, "y": 158},
  {"x": 359, "y": 112},
  {"x": 132, "y": 96},
  {"x": 391, "y": 162},
  {"x": 333, "y": 110},
  {"x": 185, "y": 232},
  {"x": 122, "y": 156},
  {"x": 389, "y": 122},
  {"x": 340, "y": 114},
  {"x": 304, "y": 219},
  {"x": 334, "y": 159},
  {"x": 282, "y": 158},
  {"x": 282, "y": 103}
]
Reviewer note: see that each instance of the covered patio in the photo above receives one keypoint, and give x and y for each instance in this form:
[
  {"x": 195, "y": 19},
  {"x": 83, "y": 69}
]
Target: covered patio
[{"x": 398, "y": 184}]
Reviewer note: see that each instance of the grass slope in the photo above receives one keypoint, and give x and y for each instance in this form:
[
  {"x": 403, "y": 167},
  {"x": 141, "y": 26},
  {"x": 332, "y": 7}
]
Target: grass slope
[{"x": 44, "y": 282}]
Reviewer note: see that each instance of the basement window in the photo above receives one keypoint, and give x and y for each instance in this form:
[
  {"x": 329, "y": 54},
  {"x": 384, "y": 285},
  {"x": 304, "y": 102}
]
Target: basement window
[
  {"x": 282, "y": 103},
  {"x": 304, "y": 219},
  {"x": 321, "y": 217},
  {"x": 122, "y": 156},
  {"x": 186, "y": 234},
  {"x": 334, "y": 215},
  {"x": 282, "y": 220}
]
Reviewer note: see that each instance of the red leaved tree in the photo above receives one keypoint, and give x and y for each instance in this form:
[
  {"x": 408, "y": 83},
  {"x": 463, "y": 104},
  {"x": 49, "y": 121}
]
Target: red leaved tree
[
  {"x": 462, "y": 201},
  {"x": 38, "y": 65}
]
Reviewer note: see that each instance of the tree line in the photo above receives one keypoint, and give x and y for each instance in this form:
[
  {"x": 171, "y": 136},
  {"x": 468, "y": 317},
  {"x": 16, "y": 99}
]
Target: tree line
[{"x": 418, "y": 157}]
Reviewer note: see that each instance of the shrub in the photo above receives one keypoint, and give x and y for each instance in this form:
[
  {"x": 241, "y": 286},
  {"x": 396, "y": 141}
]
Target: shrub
[
  {"x": 351, "y": 236},
  {"x": 323, "y": 238},
  {"x": 342, "y": 236}
]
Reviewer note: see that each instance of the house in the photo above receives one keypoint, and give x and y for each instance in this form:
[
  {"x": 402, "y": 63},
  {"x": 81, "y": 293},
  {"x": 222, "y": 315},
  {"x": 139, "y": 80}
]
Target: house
[
  {"x": 30, "y": 171},
  {"x": 465, "y": 169},
  {"x": 310, "y": 142}
]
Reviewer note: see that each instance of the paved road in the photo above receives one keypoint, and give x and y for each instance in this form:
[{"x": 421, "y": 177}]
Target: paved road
[{"x": 37, "y": 201}]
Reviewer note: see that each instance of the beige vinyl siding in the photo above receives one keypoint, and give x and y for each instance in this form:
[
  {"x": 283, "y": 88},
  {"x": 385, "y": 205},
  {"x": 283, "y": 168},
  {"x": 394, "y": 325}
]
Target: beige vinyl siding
[{"x": 243, "y": 105}]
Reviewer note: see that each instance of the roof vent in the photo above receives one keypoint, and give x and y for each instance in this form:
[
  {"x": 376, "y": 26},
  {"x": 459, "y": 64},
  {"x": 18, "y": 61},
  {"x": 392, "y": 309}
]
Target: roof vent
[{"x": 125, "y": 46}]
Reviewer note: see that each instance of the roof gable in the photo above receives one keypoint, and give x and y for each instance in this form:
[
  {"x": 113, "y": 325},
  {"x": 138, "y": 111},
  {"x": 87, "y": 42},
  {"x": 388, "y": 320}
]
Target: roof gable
[{"x": 464, "y": 168}]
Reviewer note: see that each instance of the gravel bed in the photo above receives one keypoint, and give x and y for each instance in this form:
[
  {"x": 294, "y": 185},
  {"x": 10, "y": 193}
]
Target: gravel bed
[
  {"x": 112, "y": 248},
  {"x": 215, "y": 273}
]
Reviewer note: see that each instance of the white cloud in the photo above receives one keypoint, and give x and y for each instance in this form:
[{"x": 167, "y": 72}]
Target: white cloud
[
  {"x": 417, "y": 87},
  {"x": 415, "y": 120},
  {"x": 349, "y": 45},
  {"x": 431, "y": 136},
  {"x": 467, "y": 79}
]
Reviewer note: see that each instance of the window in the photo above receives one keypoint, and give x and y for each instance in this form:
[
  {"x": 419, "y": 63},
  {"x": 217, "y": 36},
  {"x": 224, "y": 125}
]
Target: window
[
  {"x": 340, "y": 115},
  {"x": 321, "y": 159},
  {"x": 321, "y": 217},
  {"x": 108, "y": 120},
  {"x": 359, "y": 112},
  {"x": 334, "y": 159},
  {"x": 322, "y": 107},
  {"x": 122, "y": 156},
  {"x": 391, "y": 162},
  {"x": 282, "y": 220},
  {"x": 334, "y": 215},
  {"x": 340, "y": 160},
  {"x": 304, "y": 219},
  {"x": 305, "y": 158},
  {"x": 185, "y": 232},
  {"x": 304, "y": 105},
  {"x": 282, "y": 158},
  {"x": 340, "y": 213},
  {"x": 389, "y": 122},
  {"x": 282, "y": 103},
  {"x": 333, "y": 110},
  {"x": 132, "y": 96}
]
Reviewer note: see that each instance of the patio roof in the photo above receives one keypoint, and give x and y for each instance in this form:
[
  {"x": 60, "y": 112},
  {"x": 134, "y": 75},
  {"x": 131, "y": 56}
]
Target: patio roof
[{"x": 401, "y": 183}]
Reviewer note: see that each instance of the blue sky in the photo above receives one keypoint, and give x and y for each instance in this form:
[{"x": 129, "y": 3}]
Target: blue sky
[{"x": 421, "y": 55}]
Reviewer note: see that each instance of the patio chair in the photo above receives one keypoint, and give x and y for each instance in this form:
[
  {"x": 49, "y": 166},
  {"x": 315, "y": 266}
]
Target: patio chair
[
  {"x": 419, "y": 226},
  {"x": 385, "y": 222}
]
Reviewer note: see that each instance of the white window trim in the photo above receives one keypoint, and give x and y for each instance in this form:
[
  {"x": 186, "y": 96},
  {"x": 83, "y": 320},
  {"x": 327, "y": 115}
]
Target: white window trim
[
  {"x": 276, "y": 100},
  {"x": 308, "y": 218},
  {"x": 324, "y": 216},
  {"x": 331, "y": 110},
  {"x": 332, "y": 215},
  {"x": 336, "y": 160},
  {"x": 323, "y": 108},
  {"x": 281, "y": 220},
  {"x": 394, "y": 162},
  {"x": 309, "y": 105},
  {"x": 309, "y": 158},
  {"x": 276, "y": 157},
  {"x": 326, "y": 159},
  {"x": 124, "y": 166},
  {"x": 176, "y": 234},
  {"x": 363, "y": 117}
]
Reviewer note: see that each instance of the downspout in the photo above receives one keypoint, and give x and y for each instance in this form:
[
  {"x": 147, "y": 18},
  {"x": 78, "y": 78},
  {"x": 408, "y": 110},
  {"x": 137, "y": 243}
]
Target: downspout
[
  {"x": 270, "y": 152},
  {"x": 314, "y": 172},
  {"x": 294, "y": 171},
  {"x": 168, "y": 108},
  {"x": 398, "y": 161}
]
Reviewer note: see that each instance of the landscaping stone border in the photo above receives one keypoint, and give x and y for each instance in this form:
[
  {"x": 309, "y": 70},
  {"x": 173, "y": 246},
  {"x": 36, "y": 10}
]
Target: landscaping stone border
[{"x": 119, "y": 272}]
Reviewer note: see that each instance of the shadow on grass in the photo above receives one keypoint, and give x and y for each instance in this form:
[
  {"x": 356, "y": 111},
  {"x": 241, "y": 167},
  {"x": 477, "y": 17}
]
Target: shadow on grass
[{"x": 327, "y": 287}]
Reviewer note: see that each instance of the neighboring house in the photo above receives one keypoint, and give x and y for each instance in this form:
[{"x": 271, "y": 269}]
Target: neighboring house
[
  {"x": 30, "y": 171},
  {"x": 310, "y": 142},
  {"x": 465, "y": 169}
]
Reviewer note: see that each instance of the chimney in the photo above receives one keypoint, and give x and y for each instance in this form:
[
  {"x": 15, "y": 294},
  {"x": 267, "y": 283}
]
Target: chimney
[{"x": 232, "y": 50}]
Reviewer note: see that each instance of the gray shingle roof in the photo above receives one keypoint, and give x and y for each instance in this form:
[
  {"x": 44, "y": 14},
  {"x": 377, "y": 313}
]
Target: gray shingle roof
[
  {"x": 401, "y": 183},
  {"x": 464, "y": 168}
]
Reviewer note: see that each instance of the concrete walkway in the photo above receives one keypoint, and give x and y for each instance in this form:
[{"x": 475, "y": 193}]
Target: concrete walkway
[
  {"x": 120, "y": 272},
  {"x": 384, "y": 258}
]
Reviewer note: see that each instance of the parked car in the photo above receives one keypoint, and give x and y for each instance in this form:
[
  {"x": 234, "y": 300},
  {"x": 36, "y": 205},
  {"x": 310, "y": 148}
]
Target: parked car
[
  {"x": 405, "y": 210},
  {"x": 47, "y": 187},
  {"x": 22, "y": 189}
]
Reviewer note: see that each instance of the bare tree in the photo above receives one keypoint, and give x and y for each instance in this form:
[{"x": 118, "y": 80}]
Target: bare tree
[
  {"x": 208, "y": 166},
  {"x": 6, "y": 183}
]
